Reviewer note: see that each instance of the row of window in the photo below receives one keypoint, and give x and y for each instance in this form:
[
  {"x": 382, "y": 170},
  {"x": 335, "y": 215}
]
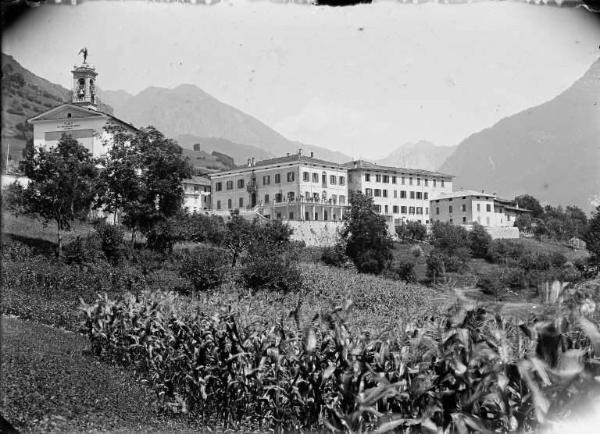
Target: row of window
[
  {"x": 307, "y": 216},
  {"x": 464, "y": 220},
  {"x": 463, "y": 208},
  {"x": 403, "y": 194},
  {"x": 333, "y": 179},
  {"x": 411, "y": 210},
  {"x": 394, "y": 180},
  {"x": 291, "y": 196}
]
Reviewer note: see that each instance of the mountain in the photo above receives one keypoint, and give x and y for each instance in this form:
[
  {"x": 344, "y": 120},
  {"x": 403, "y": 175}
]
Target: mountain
[
  {"x": 551, "y": 151},
  {"x": 240, "y": 153},
  {"x": 25, "y": 95},
  {"x": 420, "y": 155},
  {"x": 188, "y": 110}
]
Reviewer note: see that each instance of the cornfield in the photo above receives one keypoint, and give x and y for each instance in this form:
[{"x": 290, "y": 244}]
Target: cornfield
[{"x": 465, "y": 371}]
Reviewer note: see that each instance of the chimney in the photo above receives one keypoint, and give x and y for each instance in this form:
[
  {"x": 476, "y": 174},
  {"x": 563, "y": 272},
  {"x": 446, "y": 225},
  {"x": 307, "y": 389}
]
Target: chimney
[
  {"x": 253, "y": 161},
  {"x": 287, "y": 154},
  {"x": 312, "y": 154},
  {"x": 249, "y": 162},
  {"x": 299, "y": 151}
]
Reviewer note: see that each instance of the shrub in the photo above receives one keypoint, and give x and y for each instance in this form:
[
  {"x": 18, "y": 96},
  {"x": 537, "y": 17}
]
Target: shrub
[
  {"x": 491, "y": 283},
  {"x": 448, "y": 237},
  {"x": 335, "y": 256},
  {"x": 402, "y": 270},
  {"x": 205, "y": 268},
  {"x": 162, "y": 237},
  {"x": 84, "y": 250},
  {"x": 111, "y": 237},
  {"x": 416, "y": 251},
  {"x": 505, "y": 251},
  {"x": 15, "y": 251},
  {"x": 411, "y": 230},
  {"x": 440, "y": 262},
  {"x": 557, "y": 259},
  {"x": 479, "y": 241},
  {"x": 275, "y": 272}
]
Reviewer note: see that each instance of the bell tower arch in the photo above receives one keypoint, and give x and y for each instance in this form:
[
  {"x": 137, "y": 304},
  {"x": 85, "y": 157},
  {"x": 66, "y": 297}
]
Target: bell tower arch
[{"x": 84, "y": 84}]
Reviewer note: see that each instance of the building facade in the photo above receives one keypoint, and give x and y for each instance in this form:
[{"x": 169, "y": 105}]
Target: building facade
[
  {"x": 467, "y": 207},
  {"x": 294, "y": 187},
  {"x": 398, "y": 194},
  {"x": 197, "y": 194},
  {"x": 81, "y": 118}
]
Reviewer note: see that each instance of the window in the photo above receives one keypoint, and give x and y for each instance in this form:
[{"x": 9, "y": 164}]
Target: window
[
  {"x": 412, "y": 194},
  {"x": 316, "y": 197},
  {"x": 426, "y": 183},
  {"x": 488, "y": 208},
  {"x": 305, "y": 176},
  {"x": 464, "y": 207},
  {"x": 419, "y": 195},
  {"x": 367, "y": 177},
  {"x": 402, "y": 210},
  {"x": 291, "y": 196},
  {"x": 229, "y": 185},
  {"x": 219, "y": 186},
  {"x": 410, "y": 181},
  {"x": 342, "y": 180},
  {"x": 241, "y": 202},
  {"x": 426, "y": 211},
  {"x": 266, "y": 179},
  {"x": 426, "y": 196},
  {"x": 478, "y": 207},
  {"x": 229, "y": 204},
  {"x": 395, "y": 194},
  {"x": 437, "y": 210},
  {"x": 394, "y": 179},
  {"x": 324, "y": 215},
  {"x": 450, "y": 209},
  {"x": 307, "y": 196},
  {"x": 411, "y": 209},
  {"x": 342, "y": 200},
  {"x": 315, "y": 177},
  {"x": 403, "y": 180},
  {"x": 402, "y": 194},
  {"x": 442, "y": 183},
  {"x": 306, "y": 216},
  {"x": 386, "y": 179},
  {"x": 395, "y": 209},
  {"x": 316, "y": 216},
  {"x": 218, "y": 204},
  {"x": 332, "y": 179},
  {"x": 418, "y": 181},
  {"x": 384, "y": 193},
  {"x": 377, "y": 178},
  {"x": 464, "y": 219},
  {"x": 419, "y": 210},
  {"x": 291, "y": 176},
  {"x": 369, "y": 192},
  {"x": 277, "y": 178},
  {"x": 266, "y": 198},
  {"x": 278, "y": 216},
  {"x": 324, "y": 179},
  {"x": 333, "y": 199},
  {"x": 386, "y": 209},
  {"x": 378, "y": 208},
  {"x": 278, "y": 197},
  {"x": 434, "y": 182},
  {"x": 377, "y": 192},
  {"x": 240, "y": 183},
  {"x": 291, "y": 215},
  {"x": 451, "y": 221}
]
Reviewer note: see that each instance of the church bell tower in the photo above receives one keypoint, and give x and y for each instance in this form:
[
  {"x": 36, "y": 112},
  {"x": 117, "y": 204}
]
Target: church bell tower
[{"x": 84, "y": 83}]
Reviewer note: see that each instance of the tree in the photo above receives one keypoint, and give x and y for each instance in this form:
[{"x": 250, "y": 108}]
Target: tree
[
  {"x": 411, "y": 230},
  {"x": 365, "y": 233},
  {"x": 479, "y": 241},
  {"x": 524, "y": 222},
  {"x": 448, "y": 237},
  {"x": 142, "y": 178},
  {"x": 531, "y": 203},
  {"x": 592, "y": 237},
  {"x": 61, "y": 185}
]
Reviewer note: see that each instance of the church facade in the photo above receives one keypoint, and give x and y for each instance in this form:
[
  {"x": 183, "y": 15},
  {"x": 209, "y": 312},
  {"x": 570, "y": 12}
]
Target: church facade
[{"x": 80, "y": 118}]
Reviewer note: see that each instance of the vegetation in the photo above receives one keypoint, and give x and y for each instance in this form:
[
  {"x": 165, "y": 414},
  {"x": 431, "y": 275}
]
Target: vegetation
[
  {"x": 592, "y": 237},
  {"x": 60, "y": 188},
  {"x": 366, "y": 236},
  {"x": 205, "y": 268},
  {"x": 411, "y": 231}
]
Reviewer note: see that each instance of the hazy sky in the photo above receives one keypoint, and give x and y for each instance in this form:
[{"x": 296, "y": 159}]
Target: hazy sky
[{"x": 361, "y": 80}]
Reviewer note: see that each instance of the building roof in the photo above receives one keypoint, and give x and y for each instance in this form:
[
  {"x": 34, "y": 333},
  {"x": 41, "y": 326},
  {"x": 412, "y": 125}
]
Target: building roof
[
  {"x": 85, "y": 111},
  {"x": 292, "y": 158},
  {"x": 197, "y": 180},
  {"x": 462, "y": 193},
  {"x": 367, "y": 165}
]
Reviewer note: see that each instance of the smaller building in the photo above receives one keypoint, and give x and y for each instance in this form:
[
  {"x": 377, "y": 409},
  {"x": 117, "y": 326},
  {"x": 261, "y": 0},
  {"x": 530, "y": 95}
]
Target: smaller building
[
  {"x": 197, "y": 194},
  {"x": 466, "y": 207}
]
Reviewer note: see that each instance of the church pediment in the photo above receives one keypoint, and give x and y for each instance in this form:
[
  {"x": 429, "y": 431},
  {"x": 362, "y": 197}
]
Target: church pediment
[{"x": 66, "y": 111}]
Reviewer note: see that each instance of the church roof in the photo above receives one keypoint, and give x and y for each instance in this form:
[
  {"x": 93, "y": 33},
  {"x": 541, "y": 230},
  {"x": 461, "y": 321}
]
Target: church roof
[{"x": 77, "y": 112}]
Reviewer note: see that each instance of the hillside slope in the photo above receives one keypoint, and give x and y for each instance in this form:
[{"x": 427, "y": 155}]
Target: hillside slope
[
  {"x": 188, "y": 110},
  {"x": 551, "y": 151},
  {"x": 420, "y": 155}
]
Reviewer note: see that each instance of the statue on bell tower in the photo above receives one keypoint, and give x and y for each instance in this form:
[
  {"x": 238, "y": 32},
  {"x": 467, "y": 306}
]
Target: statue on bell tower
[{"x": 84, "y": 77}]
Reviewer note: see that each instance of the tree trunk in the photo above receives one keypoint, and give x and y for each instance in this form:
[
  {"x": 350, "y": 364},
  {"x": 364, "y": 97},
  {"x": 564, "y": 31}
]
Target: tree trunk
[{"x": 59, "y": 241}]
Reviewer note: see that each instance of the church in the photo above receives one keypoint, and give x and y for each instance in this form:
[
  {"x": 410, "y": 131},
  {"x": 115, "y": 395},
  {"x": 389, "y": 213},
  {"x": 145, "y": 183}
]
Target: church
[{"x": 80, "y": 118}]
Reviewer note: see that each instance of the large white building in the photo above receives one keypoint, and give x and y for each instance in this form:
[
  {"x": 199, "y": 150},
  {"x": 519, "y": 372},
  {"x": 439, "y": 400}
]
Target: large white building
[
  {"x": 294, "y": 187},
  {"x": 398, "y": 194},
  {"x": 466, "y": 207}
]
